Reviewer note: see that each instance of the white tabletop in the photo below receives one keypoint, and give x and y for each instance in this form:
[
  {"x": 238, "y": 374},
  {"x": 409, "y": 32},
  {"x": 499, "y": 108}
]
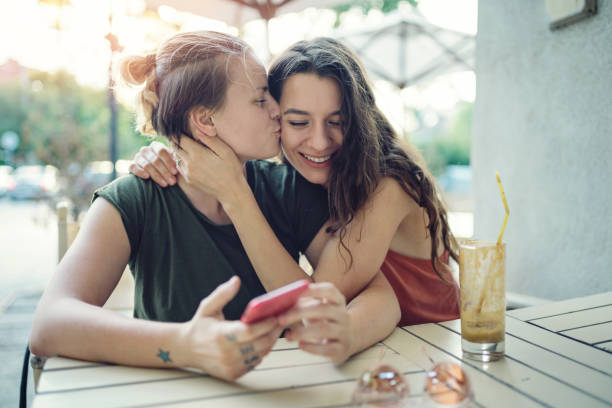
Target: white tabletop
[{"x": 557, "y": 355}]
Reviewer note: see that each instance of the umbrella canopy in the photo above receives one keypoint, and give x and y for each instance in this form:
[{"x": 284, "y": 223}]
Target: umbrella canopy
[
  {"x": 238, "y": 12},
  {"x": 404, "y": 48}
]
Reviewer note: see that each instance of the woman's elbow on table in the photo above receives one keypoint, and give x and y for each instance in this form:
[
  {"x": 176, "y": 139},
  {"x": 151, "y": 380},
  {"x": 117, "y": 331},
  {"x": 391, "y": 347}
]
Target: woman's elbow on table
[
  {"x": 53, "y": 325},
  {"x": 38, "y": 335}
]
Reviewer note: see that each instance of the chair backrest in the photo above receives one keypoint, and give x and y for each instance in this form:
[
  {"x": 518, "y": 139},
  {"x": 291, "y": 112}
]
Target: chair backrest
[
  {"x": 122, "y": 298},
  {"x": 67, "y": 228}
]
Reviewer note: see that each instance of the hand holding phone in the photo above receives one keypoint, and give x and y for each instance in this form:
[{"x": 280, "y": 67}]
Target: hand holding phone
[{"x": 274, "y": 302}]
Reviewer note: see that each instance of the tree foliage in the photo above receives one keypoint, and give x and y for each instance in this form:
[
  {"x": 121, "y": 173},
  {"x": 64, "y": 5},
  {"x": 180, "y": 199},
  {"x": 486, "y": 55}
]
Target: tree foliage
[
  {"x": 449, "y": 142},
  {"x": 366, "y": 5},
  {"x": 66, "y": 125},
  {"x": 454, "y": 143},
  {"x": 13, "y": 115},
  {"x": 61, "y": 122}
]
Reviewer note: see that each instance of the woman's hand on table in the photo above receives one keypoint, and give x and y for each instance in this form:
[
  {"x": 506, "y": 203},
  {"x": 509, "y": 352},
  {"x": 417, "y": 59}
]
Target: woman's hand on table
[
  {"x": 212, "y": 166},
  {"x": 320, "y": 322},
  {"x": 155, "y": 161},
  {"x": 222, "y": 348}
]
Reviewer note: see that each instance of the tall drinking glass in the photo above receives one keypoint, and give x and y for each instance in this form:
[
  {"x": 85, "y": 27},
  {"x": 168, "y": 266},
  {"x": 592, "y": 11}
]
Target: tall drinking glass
[{"x": 482, "y": 276}]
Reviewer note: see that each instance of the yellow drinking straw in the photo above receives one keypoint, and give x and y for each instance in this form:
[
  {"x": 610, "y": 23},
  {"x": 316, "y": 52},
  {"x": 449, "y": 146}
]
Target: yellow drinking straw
[{"x": 503, "y": 195}]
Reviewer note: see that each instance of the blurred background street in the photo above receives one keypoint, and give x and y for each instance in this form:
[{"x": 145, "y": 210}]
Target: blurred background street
[{"x": 28, "y": 246}]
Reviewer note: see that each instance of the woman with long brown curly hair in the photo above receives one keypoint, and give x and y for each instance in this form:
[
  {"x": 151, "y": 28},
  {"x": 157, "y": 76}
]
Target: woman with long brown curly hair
[{"x": 385, "y": 210}]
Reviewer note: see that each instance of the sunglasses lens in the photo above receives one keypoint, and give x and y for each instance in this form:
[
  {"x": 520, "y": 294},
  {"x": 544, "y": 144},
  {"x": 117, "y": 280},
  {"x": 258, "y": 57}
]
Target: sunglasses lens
[
  {"x": 381, "y": 385},
  {"x": 447, "y": 384}
]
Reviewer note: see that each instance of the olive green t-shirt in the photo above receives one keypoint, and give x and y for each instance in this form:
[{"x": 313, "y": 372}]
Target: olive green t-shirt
[{"x": 178, "y": 256}]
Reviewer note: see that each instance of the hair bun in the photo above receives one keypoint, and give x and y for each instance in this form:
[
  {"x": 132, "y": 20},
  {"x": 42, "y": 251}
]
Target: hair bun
[
  {"x": 150, "y": 62},
  {"x": 136, "y": 69}
]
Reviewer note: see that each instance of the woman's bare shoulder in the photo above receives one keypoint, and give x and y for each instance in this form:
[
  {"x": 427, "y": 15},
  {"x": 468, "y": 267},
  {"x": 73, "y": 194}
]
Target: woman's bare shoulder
[{"x": 390, "y": 192}]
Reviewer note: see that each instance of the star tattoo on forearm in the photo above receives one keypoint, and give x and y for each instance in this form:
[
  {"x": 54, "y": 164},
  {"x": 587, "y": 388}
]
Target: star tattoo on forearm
[{"x": 164, "y": 355}]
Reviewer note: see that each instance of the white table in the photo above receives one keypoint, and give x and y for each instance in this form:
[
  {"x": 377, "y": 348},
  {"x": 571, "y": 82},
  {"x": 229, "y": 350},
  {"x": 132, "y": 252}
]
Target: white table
[{"x": 557, "y": 355}]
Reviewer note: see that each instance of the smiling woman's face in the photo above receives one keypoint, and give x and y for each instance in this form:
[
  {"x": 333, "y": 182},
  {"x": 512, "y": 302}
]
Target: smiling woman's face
[{"x": 311, "y": 124}]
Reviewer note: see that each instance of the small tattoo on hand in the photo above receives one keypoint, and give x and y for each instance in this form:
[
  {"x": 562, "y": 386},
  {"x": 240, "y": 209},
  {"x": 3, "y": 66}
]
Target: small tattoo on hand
[
  {"x": 248, "y": 349},
  {"x": 251, "y": 360},
  {"x": 164, "y": 355},
  {"x": 231, "y": 337}
]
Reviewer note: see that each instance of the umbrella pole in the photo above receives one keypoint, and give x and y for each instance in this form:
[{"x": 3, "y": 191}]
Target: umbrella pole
[{"x": 267, "y": 57}]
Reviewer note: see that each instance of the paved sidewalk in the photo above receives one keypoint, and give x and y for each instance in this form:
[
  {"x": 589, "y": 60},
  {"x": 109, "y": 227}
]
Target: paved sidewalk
[
  {"x": 28, "y": 255},
  {"x": 15, "y": 324}
]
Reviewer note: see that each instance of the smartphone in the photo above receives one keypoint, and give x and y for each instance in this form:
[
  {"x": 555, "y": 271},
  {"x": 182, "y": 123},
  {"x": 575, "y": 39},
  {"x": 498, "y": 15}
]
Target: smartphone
[{"x": 275, "y": 302}]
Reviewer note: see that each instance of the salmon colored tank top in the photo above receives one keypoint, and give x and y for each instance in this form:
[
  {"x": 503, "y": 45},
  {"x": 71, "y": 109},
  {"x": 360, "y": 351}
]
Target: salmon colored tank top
[{"x": 422, "y": 295}]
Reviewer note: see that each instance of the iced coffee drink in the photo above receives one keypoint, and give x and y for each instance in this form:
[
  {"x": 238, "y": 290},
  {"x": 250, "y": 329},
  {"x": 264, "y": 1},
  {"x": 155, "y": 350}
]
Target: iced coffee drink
[{"x": 482, "y": 273}]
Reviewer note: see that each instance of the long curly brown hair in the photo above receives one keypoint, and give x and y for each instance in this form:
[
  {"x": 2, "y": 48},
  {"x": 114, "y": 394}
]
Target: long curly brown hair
[{"x": 370, "y": 150}]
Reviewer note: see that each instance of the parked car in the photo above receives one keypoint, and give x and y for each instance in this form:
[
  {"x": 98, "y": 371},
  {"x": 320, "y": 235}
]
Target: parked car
[
  {"x": 34, "y": 182},
  {"x": 6, "y": 179},
  {"x": 83, "y": 181}
]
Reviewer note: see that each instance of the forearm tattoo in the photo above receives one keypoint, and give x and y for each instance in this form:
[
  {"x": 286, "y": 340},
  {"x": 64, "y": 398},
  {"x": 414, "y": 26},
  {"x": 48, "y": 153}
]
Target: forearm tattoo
[
  {"x": 248, "y": 349},
  {"x": 164, "y": 355},
  {"x": 249, "y": 361}
]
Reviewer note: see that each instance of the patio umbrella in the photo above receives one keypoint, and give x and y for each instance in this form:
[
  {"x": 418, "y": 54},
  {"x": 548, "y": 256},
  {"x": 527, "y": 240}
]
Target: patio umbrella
[
  {"x": 239, "y": 12},
  {"x": 404, "y": 48}
]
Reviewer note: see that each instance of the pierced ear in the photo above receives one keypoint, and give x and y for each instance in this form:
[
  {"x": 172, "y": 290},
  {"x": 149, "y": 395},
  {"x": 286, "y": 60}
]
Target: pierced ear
[{"x": 202, "y": 121}]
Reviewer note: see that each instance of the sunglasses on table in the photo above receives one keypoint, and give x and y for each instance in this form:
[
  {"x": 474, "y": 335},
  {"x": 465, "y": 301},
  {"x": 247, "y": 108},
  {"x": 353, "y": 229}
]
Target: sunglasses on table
[{"x": 447, "y": 385}]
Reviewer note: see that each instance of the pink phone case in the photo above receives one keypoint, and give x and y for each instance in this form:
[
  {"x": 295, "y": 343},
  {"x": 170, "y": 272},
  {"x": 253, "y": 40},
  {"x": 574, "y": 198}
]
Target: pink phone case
[{"x": 274, "y": 302}]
